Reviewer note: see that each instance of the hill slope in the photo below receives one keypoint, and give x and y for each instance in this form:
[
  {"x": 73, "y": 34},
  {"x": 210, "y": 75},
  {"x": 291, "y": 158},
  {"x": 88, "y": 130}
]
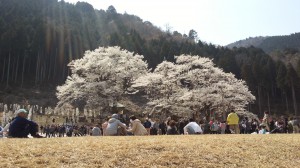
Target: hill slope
[
  {"x": 269, "y": 44},
  {"x": 154, "y": 151}
]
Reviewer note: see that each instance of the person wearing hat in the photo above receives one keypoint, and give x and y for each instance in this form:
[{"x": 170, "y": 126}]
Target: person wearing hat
[
  {"x": 113, "y": 125},
  {"x": 20, "y": 127}
]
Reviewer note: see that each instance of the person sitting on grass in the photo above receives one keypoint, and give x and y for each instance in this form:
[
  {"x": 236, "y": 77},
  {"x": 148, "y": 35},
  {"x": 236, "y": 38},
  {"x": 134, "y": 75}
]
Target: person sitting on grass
[
  {"x": 4, "y": 130},
  {"x": 172, "y": 130},
  {"x": 263, "y": 129},
  {"x": 113, "y": 126},
  {"x": 104, "y": 125},
  {"x": 192, "y": 128},
  {"x": 96, "y": 131},
  {"x": 20, "y": 127},
  {"x": 279, "y": 128},
  {"x": 137, "y": 128},
  {"x": 1, "y": 132}
]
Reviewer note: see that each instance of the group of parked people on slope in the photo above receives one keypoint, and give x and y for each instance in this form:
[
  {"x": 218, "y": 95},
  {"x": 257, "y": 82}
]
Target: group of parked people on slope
[{"x": 20, "y": 127}]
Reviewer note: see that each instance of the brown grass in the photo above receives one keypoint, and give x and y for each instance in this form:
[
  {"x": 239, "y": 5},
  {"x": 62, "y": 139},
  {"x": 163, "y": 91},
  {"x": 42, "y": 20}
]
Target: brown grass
[{"x": 153, "y": 151}]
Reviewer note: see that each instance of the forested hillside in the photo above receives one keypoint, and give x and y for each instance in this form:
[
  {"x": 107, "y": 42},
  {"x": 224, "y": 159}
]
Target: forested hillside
[
  {"x": 271, "y": 43},
  {"x": 38, "y": 38}
]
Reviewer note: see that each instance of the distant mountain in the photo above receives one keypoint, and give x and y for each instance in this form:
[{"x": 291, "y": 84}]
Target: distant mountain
[
  {"x": 270, "y": 43},
  {"x": 251, "y": 41}
]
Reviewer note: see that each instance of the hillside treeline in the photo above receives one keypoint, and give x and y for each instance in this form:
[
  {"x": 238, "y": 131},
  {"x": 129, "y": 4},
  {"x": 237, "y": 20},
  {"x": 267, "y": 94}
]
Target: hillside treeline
[
  {"x": 271, "y": 43},
  {"x": 38, "y": 38}
]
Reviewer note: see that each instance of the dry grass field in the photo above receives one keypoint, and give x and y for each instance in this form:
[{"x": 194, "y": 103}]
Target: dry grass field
[{"x": 153, "y": 151}]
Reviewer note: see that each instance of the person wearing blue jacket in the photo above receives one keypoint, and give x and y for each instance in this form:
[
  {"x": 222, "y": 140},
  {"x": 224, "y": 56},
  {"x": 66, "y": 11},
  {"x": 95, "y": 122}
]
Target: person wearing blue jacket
[{"x": 21, "y": 127}]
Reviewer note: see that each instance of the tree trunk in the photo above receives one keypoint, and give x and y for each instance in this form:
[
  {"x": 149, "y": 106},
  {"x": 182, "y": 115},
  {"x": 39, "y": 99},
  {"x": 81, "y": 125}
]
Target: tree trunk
[
  {"x": 37, "y": 69},
  {"x": 259, "y": 101},
  {"x": 287, "y": 103},
  {"x": 273, "y": 90},
  {"x": 54, "y": 67},
  {"x": 3, "y": 72},
  {"x": 63, "y": 73},
  {"x": 269, "y": 106},
  {"x": 23, "y": 69},
  {"x": 17, "y": 68},
  {"x": 7, "y": 78},
  {"x": 49, "y": 69},
  {"x": 13, "y": 65},
  {"x": 224, "y": 115},
  {"x": 294, "y": 99}
]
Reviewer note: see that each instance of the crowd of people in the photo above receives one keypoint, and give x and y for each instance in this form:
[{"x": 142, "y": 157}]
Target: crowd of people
[{"x": 115, "y": 125}]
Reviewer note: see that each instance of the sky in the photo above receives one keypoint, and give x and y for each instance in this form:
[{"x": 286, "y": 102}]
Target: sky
[{"x": 219, "y": 22}]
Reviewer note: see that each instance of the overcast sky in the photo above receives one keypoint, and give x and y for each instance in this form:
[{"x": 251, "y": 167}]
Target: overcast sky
[{"x": 217, "y": 21}]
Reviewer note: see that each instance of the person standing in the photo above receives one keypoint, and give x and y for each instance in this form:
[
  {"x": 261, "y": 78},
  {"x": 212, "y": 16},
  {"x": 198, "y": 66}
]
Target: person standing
[
  {"x": 20, "y": 127},
  {"x": 163, "y": 128},
  {"x": 154, "y": 127},
  {"x": 233, "y": 122},
  {"x": 181, "y": 126},
  {"x": 147, "y": 125}
]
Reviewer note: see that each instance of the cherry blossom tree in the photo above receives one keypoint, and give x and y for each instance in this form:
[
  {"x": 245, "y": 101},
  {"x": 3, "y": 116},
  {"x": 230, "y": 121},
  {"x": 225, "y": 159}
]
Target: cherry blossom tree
[
  {"x": 99, "y": 78},
  {"x": 193, "y": 85},
  {"x": 190, "y": 86}
]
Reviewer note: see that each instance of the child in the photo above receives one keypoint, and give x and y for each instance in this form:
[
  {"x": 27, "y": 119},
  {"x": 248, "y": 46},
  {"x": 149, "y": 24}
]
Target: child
[{"x": 262, "y": 129}]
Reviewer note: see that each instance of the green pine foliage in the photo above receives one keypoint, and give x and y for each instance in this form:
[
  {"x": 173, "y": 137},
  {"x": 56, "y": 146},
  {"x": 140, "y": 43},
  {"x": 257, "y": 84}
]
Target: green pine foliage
[{"x": 38, "y": 38}]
